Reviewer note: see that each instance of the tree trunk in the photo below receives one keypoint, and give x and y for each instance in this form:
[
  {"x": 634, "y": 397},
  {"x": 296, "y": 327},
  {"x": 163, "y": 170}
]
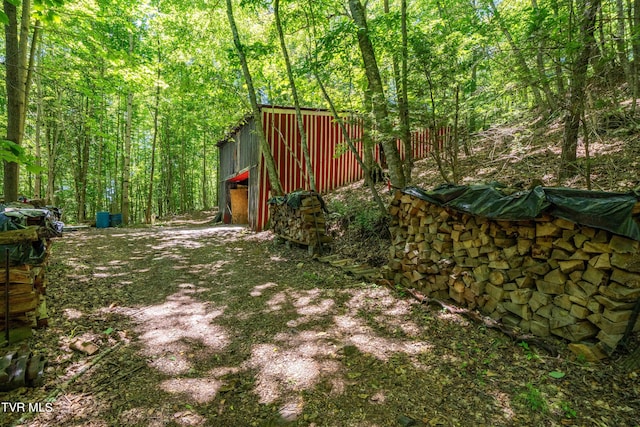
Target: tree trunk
[
  {"x": 383, "y": 123},
  {"x": 542, "y": 72},
  {"x": 399, "y": 66},
  {"x": 14, "y": 80},
  {"x": 99, "y": 178},
  {"x": 403, "y": 101},
  {"x": 296, "y": 101},
  {"x": 82, "y": 152},
  {"x": 373, "y": 169},
  {"x": 575, "y": 108},
  {"x": 205, "y": 197},
  {"x": 147, "y": 215},
  {"x": 621, "y": 43},
  {"x": 635, "y": 43},
  {"x": 559, "y": 77},
  {"x": 366, "y": 171},
  {"x": 37, "y": 188},
  {"x": 183, "y": 174},
  {"x": 519, "y": 57},
  {"x": 126, "y": 164},
  {"x": 53, "y": 136},
  {"x": 265, "y": 150}
]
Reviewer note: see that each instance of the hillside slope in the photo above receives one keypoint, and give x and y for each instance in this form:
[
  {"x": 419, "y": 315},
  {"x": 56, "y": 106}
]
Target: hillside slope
[{"x": 514, "y": 156}]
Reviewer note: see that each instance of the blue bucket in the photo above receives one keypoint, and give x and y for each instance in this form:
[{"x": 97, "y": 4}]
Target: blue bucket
[
  {"x": 116, "y": 219},
  {"x": 102, "y": 219}
]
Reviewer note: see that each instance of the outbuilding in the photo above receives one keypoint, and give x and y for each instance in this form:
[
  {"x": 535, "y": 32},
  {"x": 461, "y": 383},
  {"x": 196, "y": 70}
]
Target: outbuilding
[{"x": 243, "y": 186}]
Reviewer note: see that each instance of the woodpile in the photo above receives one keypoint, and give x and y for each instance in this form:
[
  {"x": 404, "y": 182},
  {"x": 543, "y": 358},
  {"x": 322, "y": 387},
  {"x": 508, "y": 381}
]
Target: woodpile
[
  {"x": 26, "y": 282},
  {"x": 24, "y": 251},
  {"x": 299, "y": 218},
  {"x": 546, "y": 276}
]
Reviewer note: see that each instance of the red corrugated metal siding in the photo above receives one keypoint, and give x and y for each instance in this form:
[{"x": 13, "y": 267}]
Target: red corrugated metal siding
[{"x": 325, "y": 139}]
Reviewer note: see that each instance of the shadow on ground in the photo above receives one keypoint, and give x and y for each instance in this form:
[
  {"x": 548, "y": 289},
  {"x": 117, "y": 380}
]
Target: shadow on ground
[{"x": 218, "y": 326}]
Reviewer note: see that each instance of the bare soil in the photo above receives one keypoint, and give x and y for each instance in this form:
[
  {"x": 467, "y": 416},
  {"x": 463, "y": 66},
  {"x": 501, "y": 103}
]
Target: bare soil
[{"x": 202, "y": 325}]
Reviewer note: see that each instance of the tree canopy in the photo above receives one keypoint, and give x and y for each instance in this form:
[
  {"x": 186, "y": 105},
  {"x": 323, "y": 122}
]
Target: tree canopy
[{"x": 122, "y": 101}]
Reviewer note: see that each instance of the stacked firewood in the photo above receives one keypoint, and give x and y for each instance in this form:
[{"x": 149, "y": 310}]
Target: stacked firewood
[
  {"x": 300, "y": 219},
  {"x": 26, "y": 282},
  {"x": 547, "y": 276},
  {"x": 24, "y": 250}
]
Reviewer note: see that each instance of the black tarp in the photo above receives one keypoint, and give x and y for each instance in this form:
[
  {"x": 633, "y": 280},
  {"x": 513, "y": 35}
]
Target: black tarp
[{"x": 602, "y": 210}]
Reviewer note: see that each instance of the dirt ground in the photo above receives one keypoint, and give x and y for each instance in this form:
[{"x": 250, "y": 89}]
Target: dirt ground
[{"x": 201, "y": 325}]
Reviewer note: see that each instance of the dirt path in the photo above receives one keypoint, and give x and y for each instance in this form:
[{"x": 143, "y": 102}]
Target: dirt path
[{"x": 217, "y": 326}]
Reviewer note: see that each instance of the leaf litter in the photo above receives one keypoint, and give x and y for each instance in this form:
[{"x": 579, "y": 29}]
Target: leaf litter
[{"x": 217, "y": 326}]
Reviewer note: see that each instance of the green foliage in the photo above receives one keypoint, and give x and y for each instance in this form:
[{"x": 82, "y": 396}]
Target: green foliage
[
  {"x": 12, "y": 152},
  {"x": 462, "y": 69},
  {"x": 360, "y": 218},
  {"x": 568, "y": 411},
  {"x": 533, "y": 399},
  {"x": 529, "y": 353},
  {"x": 557, "y": 374}
]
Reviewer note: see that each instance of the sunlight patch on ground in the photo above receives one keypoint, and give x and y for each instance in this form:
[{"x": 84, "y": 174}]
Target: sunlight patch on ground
[
  {"x": 108, "y": 275},
  {"x": 72, "y": 313},
  {"x": 201, "y": 390},
  {"x": 167, "y": 257},
  {"x": 276, "y": 302},
  {"x": 355, "y": 332},
  {"x": 394, "y": 312},
  {"x": 306, "y": 303},
  {"x": 149, "y": 417},
  {"x": 297, "y": 363},
  {"x": 301, "y": 359},
  {"x": 257, "y": 290},
  {"x": 171, "y": 332},
  {"x": 383, "y": 348},
  {"x": 453, "y": 318},
  {"x": 189, "y": 418},
  {"x": 290, "y": 411},
  {"x": 206, "y": 270}
]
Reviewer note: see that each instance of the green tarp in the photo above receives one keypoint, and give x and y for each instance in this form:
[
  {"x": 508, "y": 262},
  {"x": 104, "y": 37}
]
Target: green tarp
[
  {"x": 294, "y": 199},
  {"x": 602, "y": 210}
]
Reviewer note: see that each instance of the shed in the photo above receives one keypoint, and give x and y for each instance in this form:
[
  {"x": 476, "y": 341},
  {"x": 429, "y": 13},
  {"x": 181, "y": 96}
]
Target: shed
[{"x": 242, "y": 168}]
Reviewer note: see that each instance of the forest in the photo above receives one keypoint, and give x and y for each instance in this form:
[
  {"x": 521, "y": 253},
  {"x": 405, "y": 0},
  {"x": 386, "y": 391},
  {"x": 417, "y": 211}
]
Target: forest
[
  {"x": 117, "y": 105},
  {"x": 387, "y": 307}
]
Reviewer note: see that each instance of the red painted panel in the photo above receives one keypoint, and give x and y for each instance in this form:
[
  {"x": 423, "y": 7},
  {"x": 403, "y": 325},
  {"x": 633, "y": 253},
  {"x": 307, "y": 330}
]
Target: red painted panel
[{"x": 324, "y": 137}]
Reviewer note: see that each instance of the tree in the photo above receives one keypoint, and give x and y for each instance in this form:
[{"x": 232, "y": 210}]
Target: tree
[
  {"x": 575, "y": 108},
  {"x": 16, "y": 43},
  {"x": 379, "y": 102},
  {"x": 154, "y": 144},
  {"x": 296, "y": 100},
  {"x": 265, "y": 150},
  {"x": 126, "y": 166}
]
